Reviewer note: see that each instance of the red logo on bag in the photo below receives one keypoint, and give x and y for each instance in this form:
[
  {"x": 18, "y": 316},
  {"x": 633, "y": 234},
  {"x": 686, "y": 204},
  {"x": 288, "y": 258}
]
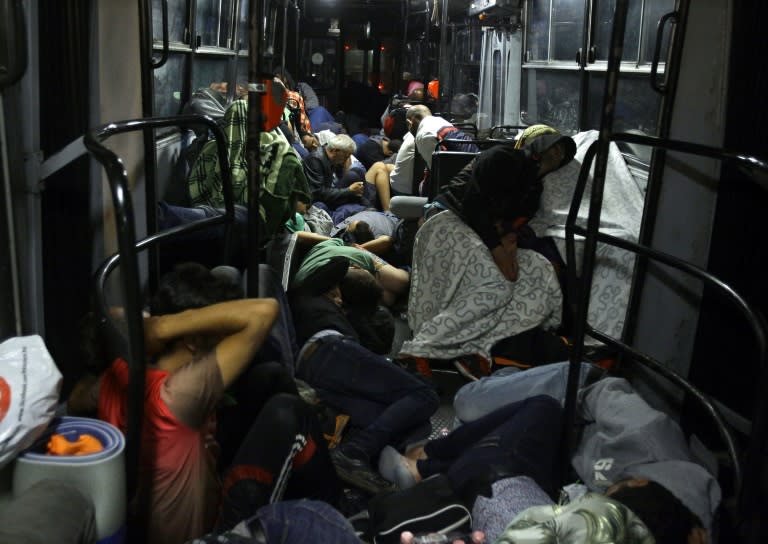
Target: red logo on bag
[{"x": 5, "y": 398}]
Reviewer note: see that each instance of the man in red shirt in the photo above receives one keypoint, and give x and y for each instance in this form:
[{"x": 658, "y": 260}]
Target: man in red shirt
[{"x": 199, "y": 348}]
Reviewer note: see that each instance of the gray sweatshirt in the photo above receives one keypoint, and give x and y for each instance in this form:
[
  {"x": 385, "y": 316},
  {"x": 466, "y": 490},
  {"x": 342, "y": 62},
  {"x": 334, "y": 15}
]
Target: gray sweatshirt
[{"x": 625, "y": 438}]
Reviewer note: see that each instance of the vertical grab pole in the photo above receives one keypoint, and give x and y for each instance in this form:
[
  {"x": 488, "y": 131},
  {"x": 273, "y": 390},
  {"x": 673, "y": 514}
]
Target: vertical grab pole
[
  {"x": 590, "y": 241},
  {"x": 255, "y": 92}
]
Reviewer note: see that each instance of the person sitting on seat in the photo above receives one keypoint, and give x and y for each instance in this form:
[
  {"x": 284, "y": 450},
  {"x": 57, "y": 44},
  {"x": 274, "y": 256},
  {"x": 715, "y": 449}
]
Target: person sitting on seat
[
  {"x": 377, "y": 150},
  {"x": 386, "y": 402},
  {"x": 431, "y": 132},
  {"x": 472, "y": 305},
  {"x": 485, "y": 201},
  {"x": 328, "y": 181}
]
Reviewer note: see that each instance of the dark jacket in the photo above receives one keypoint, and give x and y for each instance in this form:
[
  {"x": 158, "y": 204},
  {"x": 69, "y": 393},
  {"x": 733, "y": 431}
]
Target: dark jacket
[
  {"x": 500, "y": 184},
  {"x": 321, "y": 175}
]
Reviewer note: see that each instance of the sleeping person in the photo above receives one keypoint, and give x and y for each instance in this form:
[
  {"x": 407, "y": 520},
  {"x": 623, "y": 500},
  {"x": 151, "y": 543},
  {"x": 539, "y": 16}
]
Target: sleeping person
[{"x": 470, "y": 285}]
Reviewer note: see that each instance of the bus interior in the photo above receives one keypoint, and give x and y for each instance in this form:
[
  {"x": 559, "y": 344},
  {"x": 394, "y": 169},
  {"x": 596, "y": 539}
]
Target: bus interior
[{"x": 102, "y": 104}]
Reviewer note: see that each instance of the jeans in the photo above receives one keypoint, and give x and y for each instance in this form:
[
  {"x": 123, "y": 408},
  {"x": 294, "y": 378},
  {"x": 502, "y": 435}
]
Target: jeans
[
  {"x": 383, "y": 399},
  {"x": 519, "y": 439},
  {"x": 479, "y": 398},
  {"x": 297, "y": 522}
]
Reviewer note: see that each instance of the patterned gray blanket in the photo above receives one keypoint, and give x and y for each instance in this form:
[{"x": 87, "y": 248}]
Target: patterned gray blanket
[{"x": 461, "y": 304}]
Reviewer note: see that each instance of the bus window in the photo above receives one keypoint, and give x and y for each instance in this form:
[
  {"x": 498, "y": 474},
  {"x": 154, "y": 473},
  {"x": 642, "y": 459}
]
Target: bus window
[
  {"x": 213, "y": 23},
  {"x": 604, "y": 24},
  {"x": 567, "y": 29},
  {"x": 553, "y": 82},
  {"x": 177, "y": 21},
  {"x": 637, "y": 104},
  {"x": 209, "y": 70},
  {"x": 169, "y": 82},
  {"x": 551, "y": 97}
]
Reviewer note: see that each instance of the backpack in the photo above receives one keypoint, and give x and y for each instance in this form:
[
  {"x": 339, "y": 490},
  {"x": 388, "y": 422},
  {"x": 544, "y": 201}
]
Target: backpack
[
  {"x": 429, "y": 506},
  {"x": 395, "y": 126}
]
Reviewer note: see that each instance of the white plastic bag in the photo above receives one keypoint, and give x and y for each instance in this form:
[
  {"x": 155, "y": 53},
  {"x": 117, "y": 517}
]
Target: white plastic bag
[{"x": 29, "y": 392}]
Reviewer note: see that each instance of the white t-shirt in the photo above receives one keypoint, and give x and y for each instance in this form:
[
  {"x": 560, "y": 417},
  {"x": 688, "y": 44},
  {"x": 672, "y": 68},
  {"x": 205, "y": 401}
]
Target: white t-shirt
[
  {"x": 426, "y": 136},
  {"x": 401, "y": 178}
]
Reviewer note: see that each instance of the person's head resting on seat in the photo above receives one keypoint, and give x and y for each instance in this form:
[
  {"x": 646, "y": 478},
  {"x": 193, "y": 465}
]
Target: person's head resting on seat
[
  {"x": 414, "y": 115},
  {"x": 547, "y": 146},
  {"x": 191, "y": 286},
  {"x": 666, "y": 517},
  {"x": 339, "y": 149}
]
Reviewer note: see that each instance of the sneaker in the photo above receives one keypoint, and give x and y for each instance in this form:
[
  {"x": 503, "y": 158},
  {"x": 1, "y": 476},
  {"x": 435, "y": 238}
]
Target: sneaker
[
  {"x": 472, "y": 367},
  {"x": 358, "y": 473}
]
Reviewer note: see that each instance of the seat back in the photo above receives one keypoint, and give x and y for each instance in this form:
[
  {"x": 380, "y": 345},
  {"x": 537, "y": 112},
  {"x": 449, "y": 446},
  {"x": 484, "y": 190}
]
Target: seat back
[{"x": 445, "y": 165}]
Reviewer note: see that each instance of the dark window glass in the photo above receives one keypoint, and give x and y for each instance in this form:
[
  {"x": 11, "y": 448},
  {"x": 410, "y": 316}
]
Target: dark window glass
[
  {"x": 637, "y": 105},
  {"x": 242, "y": 27},
  {"x": 551, "y": 97},
  {"x": 654, "y": 10},
  {"x": 567, "y": 29},
  {"x": 209, "y": 70},
  {"x": 169, "y": 80},
  {"x": 605, "y": 10},
  {"x": 177, "y": 20},
  {"x": 537, "y": 44},
  {"x": 213, "y": 23}
]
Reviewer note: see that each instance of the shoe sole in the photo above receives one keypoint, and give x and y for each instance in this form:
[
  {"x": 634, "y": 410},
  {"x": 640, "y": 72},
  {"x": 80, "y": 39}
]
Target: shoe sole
[
  {"x": 464, "y": 372},
  {"x": 352, "y": 478}
]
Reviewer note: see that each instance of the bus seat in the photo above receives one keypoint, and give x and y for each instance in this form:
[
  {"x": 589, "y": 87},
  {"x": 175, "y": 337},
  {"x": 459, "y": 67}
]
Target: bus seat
[
  {"x": 445, "y": 165},
  {"x": 284, "y": 255}
]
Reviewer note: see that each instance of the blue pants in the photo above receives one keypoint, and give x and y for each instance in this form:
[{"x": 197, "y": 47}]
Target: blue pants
[
  {"x": 297, "y": 522},
  {"x": 519, "y": 439},
  {"x": 386, "y": 401}
]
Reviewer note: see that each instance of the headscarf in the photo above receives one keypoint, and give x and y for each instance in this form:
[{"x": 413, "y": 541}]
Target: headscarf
[{"x": 536, "y": 139}]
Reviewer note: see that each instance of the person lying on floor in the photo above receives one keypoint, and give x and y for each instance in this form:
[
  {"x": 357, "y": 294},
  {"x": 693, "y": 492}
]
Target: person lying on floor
[
  {"x": 386, "y": 402},
  {"x": 201, "y": 337},
  {"x": 393, "y": 280},
  {"x": 628, "y": 452}
]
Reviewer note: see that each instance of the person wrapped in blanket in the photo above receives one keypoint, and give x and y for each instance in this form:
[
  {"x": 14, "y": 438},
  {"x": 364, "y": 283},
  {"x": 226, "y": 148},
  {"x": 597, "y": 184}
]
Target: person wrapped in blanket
[
  {"x": 640, "y": 481},
  {"x": 467, "y": 289}
]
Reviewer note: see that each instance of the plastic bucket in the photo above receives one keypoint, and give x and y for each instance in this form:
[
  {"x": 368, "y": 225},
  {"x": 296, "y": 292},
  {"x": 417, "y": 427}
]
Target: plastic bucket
[{"x": 99, "y": 476}]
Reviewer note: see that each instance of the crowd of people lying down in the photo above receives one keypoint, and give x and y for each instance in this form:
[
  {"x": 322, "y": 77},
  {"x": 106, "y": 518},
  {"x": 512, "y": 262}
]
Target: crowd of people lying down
[{"x": 245, "y": 442}]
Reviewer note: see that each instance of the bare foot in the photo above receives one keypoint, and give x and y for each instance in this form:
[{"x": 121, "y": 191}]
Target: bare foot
[
  {"x": 411, "y": 466},
  {"x": 416, "y": 453}
]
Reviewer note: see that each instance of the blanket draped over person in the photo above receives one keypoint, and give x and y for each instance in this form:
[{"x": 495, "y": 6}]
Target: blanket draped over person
[
  {"x": 282, "y": 176},
  {"x": 461, "y": 304},
  {"x": 620, "y": 216}
]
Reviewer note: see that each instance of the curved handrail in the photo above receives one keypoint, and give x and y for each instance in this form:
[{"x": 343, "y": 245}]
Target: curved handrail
[
  {"x": 164, "y": 55},
  {"x": 660, "y": 88},
  {"x": 745, "y": 490},
  {"x": 127, "y": 252}
]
